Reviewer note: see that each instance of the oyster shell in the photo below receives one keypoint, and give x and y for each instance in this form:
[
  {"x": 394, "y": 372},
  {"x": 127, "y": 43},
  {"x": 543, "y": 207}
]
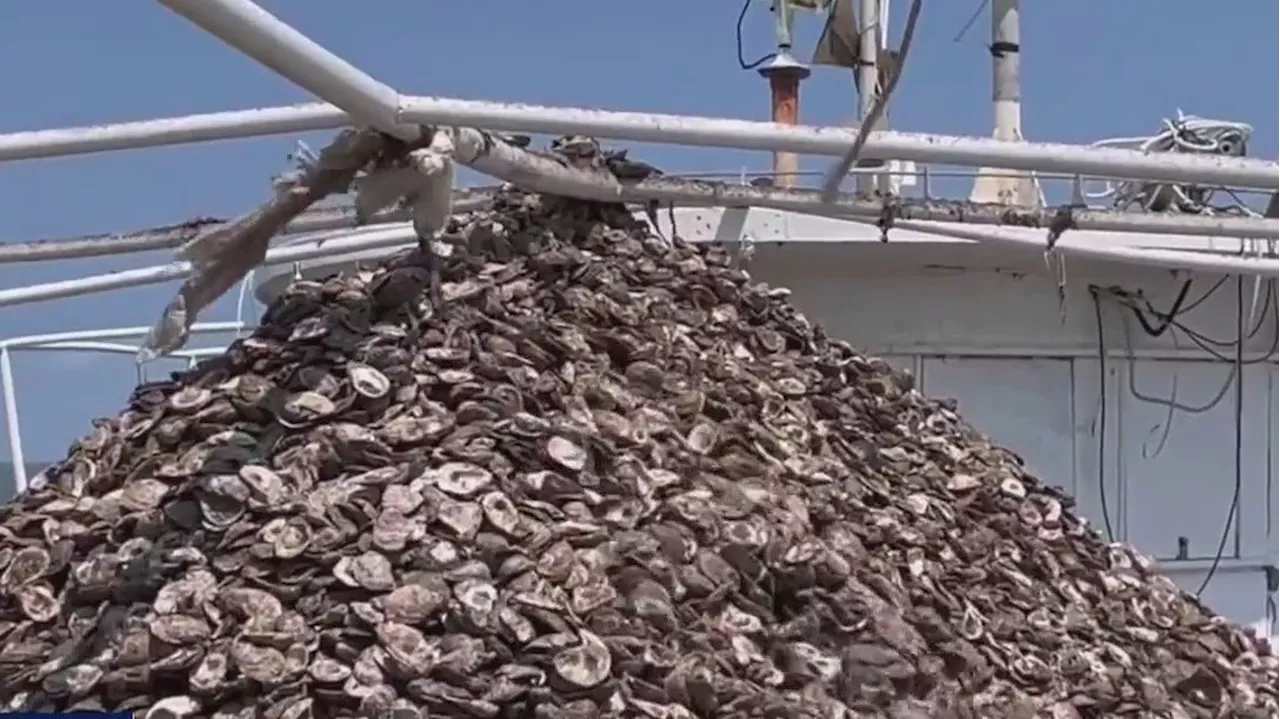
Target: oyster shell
[{"x": 593, "y": 473}]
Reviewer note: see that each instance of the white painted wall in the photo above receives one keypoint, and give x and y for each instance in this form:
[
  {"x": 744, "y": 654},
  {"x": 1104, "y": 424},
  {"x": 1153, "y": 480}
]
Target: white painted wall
[{"x": 1025, "y": 369}]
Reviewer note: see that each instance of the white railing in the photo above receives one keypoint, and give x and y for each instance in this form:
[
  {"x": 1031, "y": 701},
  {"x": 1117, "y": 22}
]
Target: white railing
[
  {"x": 85, "y": 341},
  {"x": 1073, "y": 189},
  {"x": 342, "y": 216}
]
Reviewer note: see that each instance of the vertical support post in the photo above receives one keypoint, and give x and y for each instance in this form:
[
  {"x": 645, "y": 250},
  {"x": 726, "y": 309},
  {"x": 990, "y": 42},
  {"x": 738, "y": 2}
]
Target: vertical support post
[
  {"x": 785, "y": 74},
  {"x": 997, "y": 185},
  {"x": 1006, "y": 92},
  {"x": 869, "y": 47},
  {"x": 11, "y": 422}
]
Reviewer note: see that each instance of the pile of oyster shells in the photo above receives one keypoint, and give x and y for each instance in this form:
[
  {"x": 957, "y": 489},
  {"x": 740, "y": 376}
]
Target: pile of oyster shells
[{"x": 599, "y": 474}]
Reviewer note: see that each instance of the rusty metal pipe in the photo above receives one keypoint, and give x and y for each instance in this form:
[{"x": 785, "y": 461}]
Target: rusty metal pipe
[{"x": 785, "y": 74}]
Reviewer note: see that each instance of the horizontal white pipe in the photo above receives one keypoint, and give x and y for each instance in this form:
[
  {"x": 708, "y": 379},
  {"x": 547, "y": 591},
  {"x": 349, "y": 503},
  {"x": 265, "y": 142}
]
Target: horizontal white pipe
[
  {"x": 247, "y": 27},
  {"x": 164, "y": 132},
  {"x": 1159, "y": 258},
  {"x": 696, "y": 192},
  {"x": 260, "y": 35},
  {"x": 174, "y": 236},
  {"x": 929, "y": 351},
  {"x": 715, "y": 194},
  {"x": 162, "y": 238},
  {"x": 1139, "y": 256},
  {"x": 360, "y": 239},
  {"x": 768, "y": 136},
  {"x": 116, "y": 348},
  {"x": 84, "y": 340},
  {"x": 348, "y": 240},
  {"x": 466, "y": 200},
  {"x": 668, "y": 129},
  {"x": 388, "y": 237},
  {"x": 112, "y": 333}
]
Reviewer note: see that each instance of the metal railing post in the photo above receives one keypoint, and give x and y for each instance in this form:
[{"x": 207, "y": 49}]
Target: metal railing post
[{"x": 12, "y": 428}]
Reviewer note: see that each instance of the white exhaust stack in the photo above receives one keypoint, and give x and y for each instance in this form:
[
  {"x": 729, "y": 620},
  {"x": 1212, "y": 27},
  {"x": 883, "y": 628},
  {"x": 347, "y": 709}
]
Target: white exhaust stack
[{"x": 1006, "y": 187}]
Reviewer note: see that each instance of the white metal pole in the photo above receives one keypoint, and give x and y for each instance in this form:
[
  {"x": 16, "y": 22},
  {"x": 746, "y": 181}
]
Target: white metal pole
[
  {"x": 174, "y": 236},
  {"x": 260, "y": 35},
  {"x": 244, "y": 25},
  {"x": 112, "y": 333},
  {"x": 327, "y": 244},
  {"x": 340, "y": 242},
  {"x": 993, "y": 184},
  {"x": 868, "y": 77},
  {"x": 884, "y": 180},
  {"x": 917, "y": 147},
  {"x": 466, "y": 200},
  {"x": 65, "y": 341},
  {"x": 665, "y": 129},
  {"x": 1006, "y": 49},
  {"x": 12, "y": 427},
  {"x": 167, "y": 131},
  {"x": 1158, "y": 257}
]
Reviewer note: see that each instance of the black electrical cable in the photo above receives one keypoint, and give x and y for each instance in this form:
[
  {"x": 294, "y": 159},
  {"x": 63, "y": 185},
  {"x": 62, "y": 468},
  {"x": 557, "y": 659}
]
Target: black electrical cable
[
  {"x": 742, "y": 16},
  {"x": 1176, "y": 312},
  {"x": 1253, "y": 331},
  {"x": 1239, "y": 442},
  {"x": 1166, "y": 318},
  {"x": 1207, "y": 339},
  {"x": 1169, "y": 320},
  {"x": 1102, "y": 415},
  {"x": 1207, "y": 294},
  {"x": 1201, "y": 342},
  {"x": 1204, "y": 343}
]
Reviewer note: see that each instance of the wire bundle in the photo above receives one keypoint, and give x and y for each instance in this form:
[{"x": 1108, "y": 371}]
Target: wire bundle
[{"x": 1190, "y": 134}]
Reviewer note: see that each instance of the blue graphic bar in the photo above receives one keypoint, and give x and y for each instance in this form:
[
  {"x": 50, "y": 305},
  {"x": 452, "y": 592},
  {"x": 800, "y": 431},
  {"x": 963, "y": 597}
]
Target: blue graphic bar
[{"x": 68, "y": 715}]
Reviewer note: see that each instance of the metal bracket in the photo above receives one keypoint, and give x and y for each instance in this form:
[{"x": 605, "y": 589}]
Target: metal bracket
[
  {"x": 1064, "y": 219},
  {"x": 889, "y": 213}
]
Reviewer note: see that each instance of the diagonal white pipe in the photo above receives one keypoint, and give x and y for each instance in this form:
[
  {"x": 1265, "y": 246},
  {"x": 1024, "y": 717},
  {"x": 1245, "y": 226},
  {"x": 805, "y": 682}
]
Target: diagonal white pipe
[
  {"x": 249, "y": 28},
  {"x": 244, "y": 25},
  {"x": 260, "y": 35}
]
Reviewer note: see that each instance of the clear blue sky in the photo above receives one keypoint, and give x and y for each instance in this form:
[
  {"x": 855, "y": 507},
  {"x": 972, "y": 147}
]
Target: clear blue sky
[{"x": 1091, "y": 69}]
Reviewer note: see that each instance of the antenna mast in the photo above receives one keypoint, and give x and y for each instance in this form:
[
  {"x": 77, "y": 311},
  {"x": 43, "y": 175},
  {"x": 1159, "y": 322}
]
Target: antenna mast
[{"x": 1004, "y": 186}]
